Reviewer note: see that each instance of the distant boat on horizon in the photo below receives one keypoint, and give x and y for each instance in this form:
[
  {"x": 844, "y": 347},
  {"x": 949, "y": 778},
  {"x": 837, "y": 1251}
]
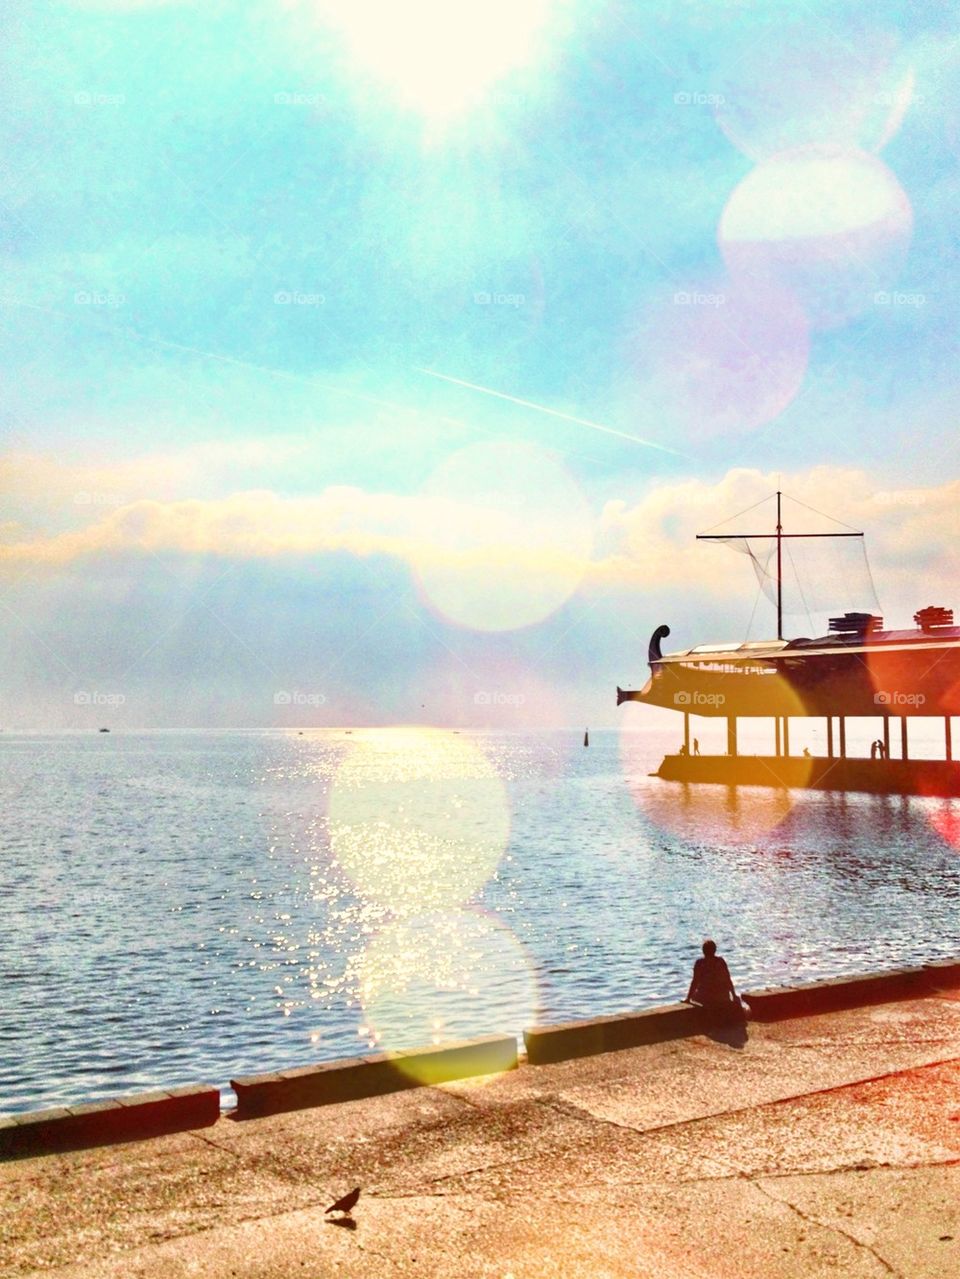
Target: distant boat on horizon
[{"x": 104, "y": 730}]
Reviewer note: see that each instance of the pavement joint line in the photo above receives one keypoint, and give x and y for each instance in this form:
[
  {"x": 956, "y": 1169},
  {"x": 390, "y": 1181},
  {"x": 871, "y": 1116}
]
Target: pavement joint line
[
  {"x": 827, "y": 1225},
  {"x": 216, "y": 1145},
  {"x": 426, "y": 1194},
  {"x": 764, "y": 1175},
  {"x": 876, "y": 1043},
  {"x": 800, "y": 1096},
  {"x": 552, "y": 1102},
  {"x": 860, "y": 1166},
  {"x": 756, "y": 1179},
  {"x": 583, "y": 1113},
  {"x": 500, "y": 1163},
  {"x": 448, "y": 1091}
]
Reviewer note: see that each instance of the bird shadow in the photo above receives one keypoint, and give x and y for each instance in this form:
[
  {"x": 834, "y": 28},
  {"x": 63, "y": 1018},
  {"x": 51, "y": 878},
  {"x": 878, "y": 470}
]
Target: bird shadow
[{"x": 345, "y": 1223}]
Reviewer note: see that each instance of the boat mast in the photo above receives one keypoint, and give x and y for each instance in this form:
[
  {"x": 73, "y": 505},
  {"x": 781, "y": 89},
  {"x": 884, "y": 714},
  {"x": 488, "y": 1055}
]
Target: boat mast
[
  {"x": 779, "y": 571},
  {"x": 781, "y": 538}
]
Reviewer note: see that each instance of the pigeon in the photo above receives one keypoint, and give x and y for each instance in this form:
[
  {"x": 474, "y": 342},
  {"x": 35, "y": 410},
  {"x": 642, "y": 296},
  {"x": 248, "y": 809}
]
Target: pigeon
[{"x": 347, "y": 1202}]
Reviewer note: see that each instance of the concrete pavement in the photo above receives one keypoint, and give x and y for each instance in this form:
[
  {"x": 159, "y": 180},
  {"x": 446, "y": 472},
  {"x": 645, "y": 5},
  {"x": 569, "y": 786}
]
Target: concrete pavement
[{"x": 826, "y": 1145}]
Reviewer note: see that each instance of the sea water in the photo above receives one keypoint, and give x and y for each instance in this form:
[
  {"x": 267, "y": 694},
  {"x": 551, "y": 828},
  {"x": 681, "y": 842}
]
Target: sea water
[{"x": 186, "y": 908}]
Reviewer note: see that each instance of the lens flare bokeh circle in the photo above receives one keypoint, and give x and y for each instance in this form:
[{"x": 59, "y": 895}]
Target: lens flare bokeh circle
[
  {"x": 441, "y": 977},
  {"x": 709, "y": 814},
  {"x": 715, "y": 359},
  {"x": 418, "y": 818},
  {"x": 829, "y": 226},
  {"x": 805, "y": 83},
  {"x": 510, "y": 537}
]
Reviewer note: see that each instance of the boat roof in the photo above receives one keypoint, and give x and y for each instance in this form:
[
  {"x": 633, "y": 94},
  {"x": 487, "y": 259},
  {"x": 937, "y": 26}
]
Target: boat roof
[{"x": 849, "y": 642}]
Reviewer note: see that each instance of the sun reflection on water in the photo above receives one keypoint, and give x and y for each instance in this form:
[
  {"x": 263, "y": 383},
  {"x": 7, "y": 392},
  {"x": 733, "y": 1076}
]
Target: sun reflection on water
[
  {"x": 444, "y": 976},
  {"x": 418, "y": 818}
]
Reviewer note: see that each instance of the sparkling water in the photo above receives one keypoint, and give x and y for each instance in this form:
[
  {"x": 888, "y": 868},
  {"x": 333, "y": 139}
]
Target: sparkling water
[{"x": 186, "y": 908}]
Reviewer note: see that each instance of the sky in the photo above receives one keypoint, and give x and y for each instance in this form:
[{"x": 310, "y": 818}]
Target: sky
[{"x": 367, "y": 363}]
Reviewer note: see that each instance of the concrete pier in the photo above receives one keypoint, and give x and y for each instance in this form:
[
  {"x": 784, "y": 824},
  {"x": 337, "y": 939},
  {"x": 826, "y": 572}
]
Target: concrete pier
[
  {"x": 884, "y": 777},
  {"x": 825, "y": 1144}
]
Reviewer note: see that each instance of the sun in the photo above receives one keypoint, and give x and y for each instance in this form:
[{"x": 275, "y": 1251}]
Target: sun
[{"x": 439, "y": 57}]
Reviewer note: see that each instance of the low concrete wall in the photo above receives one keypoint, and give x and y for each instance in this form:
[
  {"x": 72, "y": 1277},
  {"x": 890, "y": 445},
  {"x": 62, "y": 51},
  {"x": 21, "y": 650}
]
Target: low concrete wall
[
  {"x": 673, "y": 1021},
  {"x": 773, "y": 1003},
  {"x": 355, "y": 1077},
  {"x": 103, "y": 1123},
  {"x": 943, "y": 972},
  {"x": 607, "y": 1034}
]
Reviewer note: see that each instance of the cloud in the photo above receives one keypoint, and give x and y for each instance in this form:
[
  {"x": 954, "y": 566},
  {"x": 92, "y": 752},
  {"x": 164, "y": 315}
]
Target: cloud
[
  {"x": 910, "y": 532},
  {"x": 645, "y": 546},
  {"x": 43, "y": 484},
  {"x": 423, "y": 531}
]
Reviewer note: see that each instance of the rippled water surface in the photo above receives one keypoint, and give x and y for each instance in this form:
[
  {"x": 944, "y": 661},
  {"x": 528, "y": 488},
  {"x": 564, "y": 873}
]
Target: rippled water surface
[{"x": 186, "y": 908}]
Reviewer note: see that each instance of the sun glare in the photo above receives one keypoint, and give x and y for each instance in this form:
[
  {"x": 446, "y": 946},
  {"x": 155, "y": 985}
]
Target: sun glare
[
  {"x": 439, "y": 56},
  {"x": 419, "y": 818}
]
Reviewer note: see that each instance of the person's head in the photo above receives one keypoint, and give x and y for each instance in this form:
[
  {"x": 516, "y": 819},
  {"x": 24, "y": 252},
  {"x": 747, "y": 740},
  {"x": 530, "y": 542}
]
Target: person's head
[{"x": 709, "y": 948}]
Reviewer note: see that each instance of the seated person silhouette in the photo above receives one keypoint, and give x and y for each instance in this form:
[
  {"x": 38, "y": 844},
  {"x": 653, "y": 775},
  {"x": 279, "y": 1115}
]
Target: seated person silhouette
[{"x": 712, "y": 987}]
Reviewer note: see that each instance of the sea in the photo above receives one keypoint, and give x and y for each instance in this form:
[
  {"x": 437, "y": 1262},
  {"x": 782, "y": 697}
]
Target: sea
[{"x": 190, "y": 907}]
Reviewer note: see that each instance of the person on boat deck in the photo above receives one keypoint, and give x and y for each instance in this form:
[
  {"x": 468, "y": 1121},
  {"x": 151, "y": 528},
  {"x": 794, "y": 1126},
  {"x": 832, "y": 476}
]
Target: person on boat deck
[
  {"x": 711, "y": 986},
  {"x": 696, "y": 746}
]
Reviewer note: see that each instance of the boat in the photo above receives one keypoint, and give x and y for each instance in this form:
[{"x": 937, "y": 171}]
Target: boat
[
  {"x": 858, "y": 668},
  {"x": 104, "y": 730}
]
